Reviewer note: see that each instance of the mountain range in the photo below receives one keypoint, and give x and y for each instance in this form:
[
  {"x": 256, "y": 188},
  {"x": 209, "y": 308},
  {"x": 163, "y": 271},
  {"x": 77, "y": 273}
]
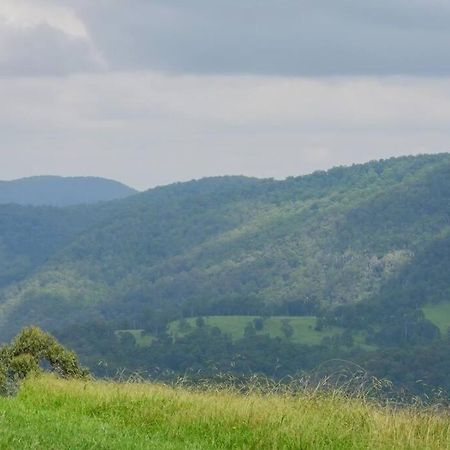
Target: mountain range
[
  {"x": 228, "y": 245},
  {"x": 61, "y": 191}
]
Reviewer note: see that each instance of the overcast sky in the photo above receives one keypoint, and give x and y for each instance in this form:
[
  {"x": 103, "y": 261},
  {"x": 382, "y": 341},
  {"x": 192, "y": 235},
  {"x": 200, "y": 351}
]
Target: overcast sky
[{"x": 154, "y": 91}]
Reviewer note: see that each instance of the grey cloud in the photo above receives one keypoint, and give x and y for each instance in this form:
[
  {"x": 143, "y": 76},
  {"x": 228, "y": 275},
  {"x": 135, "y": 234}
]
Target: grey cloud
[{"x": 286, "y": 37}]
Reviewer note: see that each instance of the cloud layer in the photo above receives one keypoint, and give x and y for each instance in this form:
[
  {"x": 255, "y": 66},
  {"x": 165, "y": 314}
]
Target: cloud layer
[
  {"x": 151, "y": 92},
  {"x": 149, "y": 129},
  {"x": 286, "y": 37}
]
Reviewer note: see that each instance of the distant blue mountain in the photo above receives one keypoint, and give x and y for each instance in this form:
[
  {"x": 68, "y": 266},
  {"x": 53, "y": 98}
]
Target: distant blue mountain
[{"x": 61, "y": 191}]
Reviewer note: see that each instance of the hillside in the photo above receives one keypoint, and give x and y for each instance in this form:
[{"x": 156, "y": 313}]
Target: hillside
[
  {"x": 61, "y": 191},
  {"x": 234, "y": 245},
  {"x": 363, "y": 249},
  {"x": 80, "y": 414}
]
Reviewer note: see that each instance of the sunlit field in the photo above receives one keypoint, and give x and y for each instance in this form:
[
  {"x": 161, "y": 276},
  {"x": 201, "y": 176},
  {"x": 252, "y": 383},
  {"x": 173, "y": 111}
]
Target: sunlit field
[{"x": 50, "y": 413}]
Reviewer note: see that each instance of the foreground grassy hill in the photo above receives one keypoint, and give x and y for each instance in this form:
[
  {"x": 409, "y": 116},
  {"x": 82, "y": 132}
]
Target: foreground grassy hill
[{"x": 52, "y": 413}]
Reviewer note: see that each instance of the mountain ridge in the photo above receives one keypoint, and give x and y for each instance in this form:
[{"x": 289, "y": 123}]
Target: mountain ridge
[
  {"x": 233, "y": 243},
  {"x": 50, "y": 190}
]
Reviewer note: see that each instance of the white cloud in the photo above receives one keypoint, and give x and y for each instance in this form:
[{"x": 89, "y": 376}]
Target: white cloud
[
  {"x": 39, "y": 37},
  {"x": 150, "y": 129},
  {"x": 32, "y": 13}
]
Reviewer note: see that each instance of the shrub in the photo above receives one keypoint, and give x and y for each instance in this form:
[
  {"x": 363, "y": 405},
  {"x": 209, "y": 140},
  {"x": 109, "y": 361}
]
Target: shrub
[{"x": 28, "y": 350}]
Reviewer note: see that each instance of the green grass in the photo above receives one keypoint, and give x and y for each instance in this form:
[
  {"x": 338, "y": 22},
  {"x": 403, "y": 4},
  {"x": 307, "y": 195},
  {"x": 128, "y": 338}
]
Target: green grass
[
  {"x": 439, "y": 314},
  {"x": 50, "y": 413},
  {"x": 142, "y": 339},
  {"x": 303, "y": 327},
  {"x": 235, "y": 325}
]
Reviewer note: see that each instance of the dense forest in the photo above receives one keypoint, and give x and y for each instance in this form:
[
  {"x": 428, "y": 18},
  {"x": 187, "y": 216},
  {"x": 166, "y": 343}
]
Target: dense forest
[{"x": 364, "y": 250}]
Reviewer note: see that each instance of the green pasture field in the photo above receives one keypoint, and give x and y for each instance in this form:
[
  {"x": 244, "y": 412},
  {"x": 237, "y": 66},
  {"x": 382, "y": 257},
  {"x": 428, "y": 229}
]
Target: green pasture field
[
  {"x": 303, "y": 327},
  {"x": 439, "y": 314}
]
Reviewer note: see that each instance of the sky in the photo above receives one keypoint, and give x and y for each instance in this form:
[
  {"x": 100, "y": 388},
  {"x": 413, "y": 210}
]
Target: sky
[{"x": 149, "y": 92}]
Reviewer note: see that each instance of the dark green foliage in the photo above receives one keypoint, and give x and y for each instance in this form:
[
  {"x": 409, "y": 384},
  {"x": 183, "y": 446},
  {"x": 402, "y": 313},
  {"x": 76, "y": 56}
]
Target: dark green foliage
[
  {"x": 28, "y": 350},
  {"x": 206, "y": 351},
  {"x": 184, "y": 326},
  {"x": 258, "y": 323},
  {"x": 30, "y": 236},
  {"x": 200, "y": 322},
  {"x": 395, "y": 309},
  {"x": 287, "y": 329},
  {"x": 249, "y": 330},
  {"x": 421, "y": 368}
]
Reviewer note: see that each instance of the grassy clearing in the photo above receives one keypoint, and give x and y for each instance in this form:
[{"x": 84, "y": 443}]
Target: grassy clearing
[
  {"x": 439, "y": 314},
  {"x": 303, "y": 327},
  {"x": 142, "y": 339},
  {"x": 53, "y": 414}
]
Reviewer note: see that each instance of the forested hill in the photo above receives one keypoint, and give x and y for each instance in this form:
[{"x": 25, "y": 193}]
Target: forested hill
[
  {"x": 61, "y": 191},
  {"x": 230, "y": 245}
]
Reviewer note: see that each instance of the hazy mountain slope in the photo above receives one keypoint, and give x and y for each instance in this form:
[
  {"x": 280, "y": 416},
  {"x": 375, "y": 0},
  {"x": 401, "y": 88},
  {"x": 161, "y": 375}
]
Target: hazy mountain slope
[
  {"x": 29, "y": 235},
  {"x": 61, "y": 191},
  {"x": 236, "y": 245},
  {"x": 75, "y": 278}
]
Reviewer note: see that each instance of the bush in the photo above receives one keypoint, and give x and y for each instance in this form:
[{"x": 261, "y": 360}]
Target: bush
[
  {"x": 28, "y": 350},
  {"x": 258, "y": 323}
]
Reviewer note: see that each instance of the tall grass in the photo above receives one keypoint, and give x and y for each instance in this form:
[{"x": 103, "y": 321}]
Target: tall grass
[{"x": 50, "y": 413}]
